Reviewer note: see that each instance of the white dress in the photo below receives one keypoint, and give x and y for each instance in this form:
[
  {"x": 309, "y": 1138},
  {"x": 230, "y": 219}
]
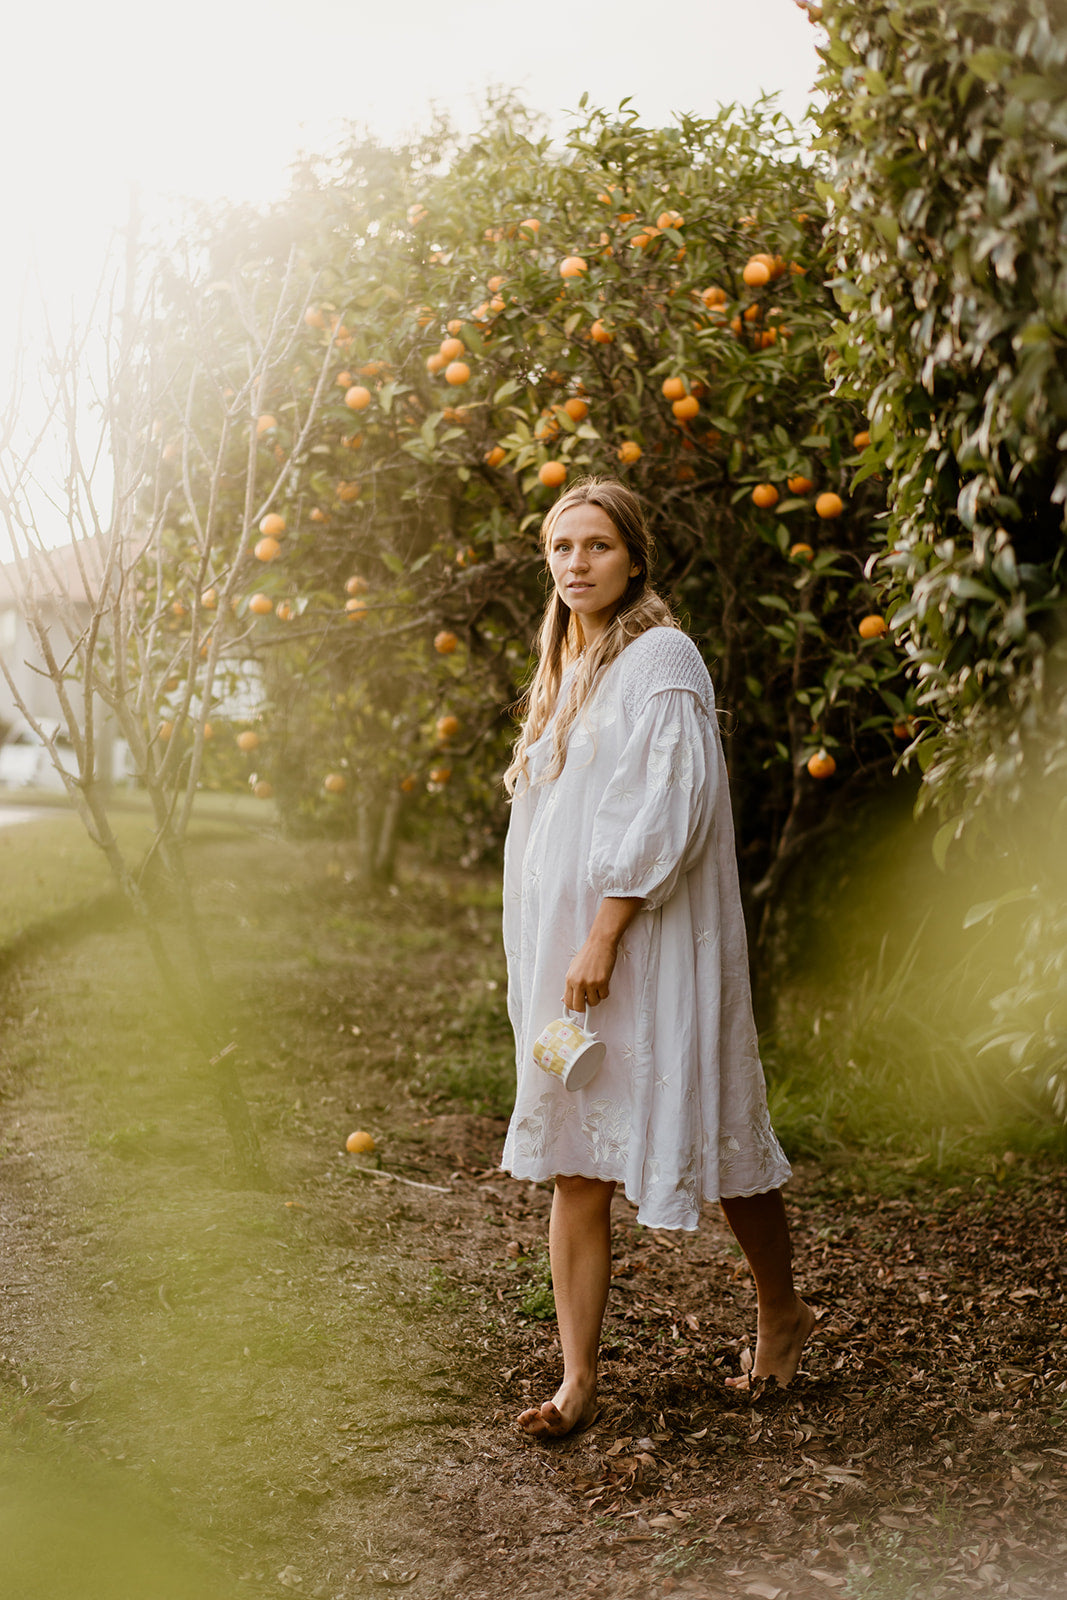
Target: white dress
[{"x": 678, "y": 1111}]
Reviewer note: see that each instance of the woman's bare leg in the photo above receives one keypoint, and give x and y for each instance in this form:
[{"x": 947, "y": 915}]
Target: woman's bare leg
[
  {"x": 579, "y": 1247},
  {"x": 785, "y": 1322}
]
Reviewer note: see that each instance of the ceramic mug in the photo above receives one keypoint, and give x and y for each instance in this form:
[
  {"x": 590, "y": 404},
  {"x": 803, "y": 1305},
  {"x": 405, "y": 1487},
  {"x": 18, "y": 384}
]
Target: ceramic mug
[{"x": 568, "y": 1050}]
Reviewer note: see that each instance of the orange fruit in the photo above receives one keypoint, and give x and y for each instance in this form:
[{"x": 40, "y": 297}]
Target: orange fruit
[
  {"x": 316, "y": 514},
  {"x": 335, "y": 783},
  {"x": 686, "y": 408},
  {"x": 822, "y": 764},
  {"x": 531, "y": 225},
  {"x": 440, "y": 774},
  {"x": 768, "y": 337},
  {"x": 829, "y": 505},
  {"x": 495, "y": 283},
  {"x": 407, "y": 783},
  {"x": 756, "y": 273},
  {"x": 356, "y": 585},
  {"x": 801, "y": 552},
  {"x": 209, "y": 599},
  {"x": 497, "y": 303},
  {"x": 765, "y": 495},
  {"x": 261, "y": 604},
  {"x": 736, "y": 325},
  {"x": 355, "y": 610},
  {"x": 552, "y": 474},
  {"x": 266, "y": 549},
  {"x": 314, "y": 317},
  {"x": 673, "y": 388},
  {"x": 452, "y": 349},
  {"x": 713, "y": 296},
  {"x": 546, "y": 428},
  {"x": 670, "y": 219},
  {"x": 438, "y": 360},
  {"x": 343, "y": 380},
  {"x": 265, "y": 423},
  {"x": 457, "y": 372},
  {"x": 861, "y": 440},
  {"x": 905, "y": 729},
  {"x": 359, "y": 1143},
  {"x": 600, "y": 333},
  {"x": 283, "y": 611},
  {"x": 352, "y": 441},
  {"x": 873, "y": 627},
  {"x": 800, "y": 485},
  {"x": 371, "y": 369},
  {"x": 166, "y": 730},
  {"x": 447, "y": 727},
  {"x": 347, "y": 490},
  {"x": 248, "y": 740},
  {"x": 573, "y": 266},
  {"x": 417, "y": 213},
  {"x": 753, "y": 314},
  {"x": 209, "y": 732},
  {"x": 495, "y": 456},
  {"x": 576, "y": 409},
  {"x": 263, "y": 790},
  {"x": 629, "y": 452},
  {"x": 455, "y": 325},
  {"x": 358, "y": 398},
  {"x": 444, "y": 643}
]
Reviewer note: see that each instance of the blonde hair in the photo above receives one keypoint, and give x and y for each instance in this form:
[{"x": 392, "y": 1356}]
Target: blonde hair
[{"x": 560, "y": 640}]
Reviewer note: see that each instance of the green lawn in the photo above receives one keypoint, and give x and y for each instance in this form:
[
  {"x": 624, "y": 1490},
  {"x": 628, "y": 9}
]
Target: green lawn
[{"x": 50, "y": 868}]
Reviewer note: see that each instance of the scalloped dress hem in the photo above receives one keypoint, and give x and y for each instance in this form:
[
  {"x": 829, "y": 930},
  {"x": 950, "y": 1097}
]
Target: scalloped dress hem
[{"x": 692, "y": 1222}]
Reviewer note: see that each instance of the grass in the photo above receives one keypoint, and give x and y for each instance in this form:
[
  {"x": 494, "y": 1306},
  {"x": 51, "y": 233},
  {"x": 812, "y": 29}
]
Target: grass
[
  {"x": 50, "y": 867},
  {"x": 872, "y": 1063}
]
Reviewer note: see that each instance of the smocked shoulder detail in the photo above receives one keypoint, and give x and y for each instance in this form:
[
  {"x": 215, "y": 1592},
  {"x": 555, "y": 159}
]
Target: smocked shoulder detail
[{"x": 663, "y": 658}]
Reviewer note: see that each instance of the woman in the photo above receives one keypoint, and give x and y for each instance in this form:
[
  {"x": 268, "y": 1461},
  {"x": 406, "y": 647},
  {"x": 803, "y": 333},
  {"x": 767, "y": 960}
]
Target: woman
[{"x": 621, "y": 895}]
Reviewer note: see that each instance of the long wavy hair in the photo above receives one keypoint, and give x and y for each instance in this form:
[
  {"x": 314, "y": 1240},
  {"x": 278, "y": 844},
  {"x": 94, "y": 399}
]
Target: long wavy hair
[{"x": 560, "y": 639}]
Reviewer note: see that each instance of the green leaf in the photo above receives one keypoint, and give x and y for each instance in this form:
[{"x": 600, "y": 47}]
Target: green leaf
[
  {"x": 989, "y": 63},
  {"x": 942, "y": 840}
]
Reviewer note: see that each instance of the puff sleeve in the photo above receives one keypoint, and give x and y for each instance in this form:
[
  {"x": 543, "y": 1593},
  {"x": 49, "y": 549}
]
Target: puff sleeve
[{"x": 655, "y": 816}]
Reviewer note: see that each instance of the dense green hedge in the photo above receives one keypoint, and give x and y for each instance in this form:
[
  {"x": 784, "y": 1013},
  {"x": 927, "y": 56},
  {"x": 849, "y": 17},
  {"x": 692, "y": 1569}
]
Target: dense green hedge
[
  {"x": 947, "y": 129},
  {"x": 947, "y": 126}
]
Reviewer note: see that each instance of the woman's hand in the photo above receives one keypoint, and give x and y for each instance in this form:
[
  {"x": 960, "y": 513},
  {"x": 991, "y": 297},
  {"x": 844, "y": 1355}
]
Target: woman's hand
[
  {"x": 588, "y": 979},
  {"x": 589, "y": 974}
]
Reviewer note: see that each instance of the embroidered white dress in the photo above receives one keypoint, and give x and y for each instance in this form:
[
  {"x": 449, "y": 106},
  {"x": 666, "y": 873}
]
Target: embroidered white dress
[{"x": 678, "y": 1111}]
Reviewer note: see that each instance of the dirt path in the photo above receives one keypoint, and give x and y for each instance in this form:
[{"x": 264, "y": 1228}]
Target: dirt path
[{"x": 311, "y": 1390}]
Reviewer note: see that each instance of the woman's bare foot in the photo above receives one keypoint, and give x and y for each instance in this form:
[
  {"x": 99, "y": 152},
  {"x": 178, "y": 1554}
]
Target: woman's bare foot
[
  {"x": 572, "y": 1406},
  {"x": 779, "y": 1345}
]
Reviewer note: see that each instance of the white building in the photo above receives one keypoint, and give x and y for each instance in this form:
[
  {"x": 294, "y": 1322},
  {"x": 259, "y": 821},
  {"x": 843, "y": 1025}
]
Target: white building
[{"x": 55, "y": 587}]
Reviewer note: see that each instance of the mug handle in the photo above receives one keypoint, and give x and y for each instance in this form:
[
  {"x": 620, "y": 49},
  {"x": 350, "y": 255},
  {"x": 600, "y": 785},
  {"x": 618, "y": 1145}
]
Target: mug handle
[{"x": 585, "y": 1020}]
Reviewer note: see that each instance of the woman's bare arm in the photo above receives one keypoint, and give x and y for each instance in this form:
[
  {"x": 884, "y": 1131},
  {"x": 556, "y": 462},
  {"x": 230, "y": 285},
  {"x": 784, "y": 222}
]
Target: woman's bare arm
[{"x": 588, "y": 977}]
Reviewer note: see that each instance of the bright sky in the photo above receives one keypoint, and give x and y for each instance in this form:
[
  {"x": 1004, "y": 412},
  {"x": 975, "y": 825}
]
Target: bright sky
[{"x": 214, "y": 98}]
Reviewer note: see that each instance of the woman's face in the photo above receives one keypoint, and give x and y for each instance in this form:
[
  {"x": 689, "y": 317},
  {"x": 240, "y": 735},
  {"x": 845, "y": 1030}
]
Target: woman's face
[{"x": 590, "y": 566}]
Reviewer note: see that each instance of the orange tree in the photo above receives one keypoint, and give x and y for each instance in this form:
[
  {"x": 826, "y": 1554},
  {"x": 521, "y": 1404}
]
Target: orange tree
[
  {"x": 948, "y": 193},
  {"x": 501, "y": 317}
]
